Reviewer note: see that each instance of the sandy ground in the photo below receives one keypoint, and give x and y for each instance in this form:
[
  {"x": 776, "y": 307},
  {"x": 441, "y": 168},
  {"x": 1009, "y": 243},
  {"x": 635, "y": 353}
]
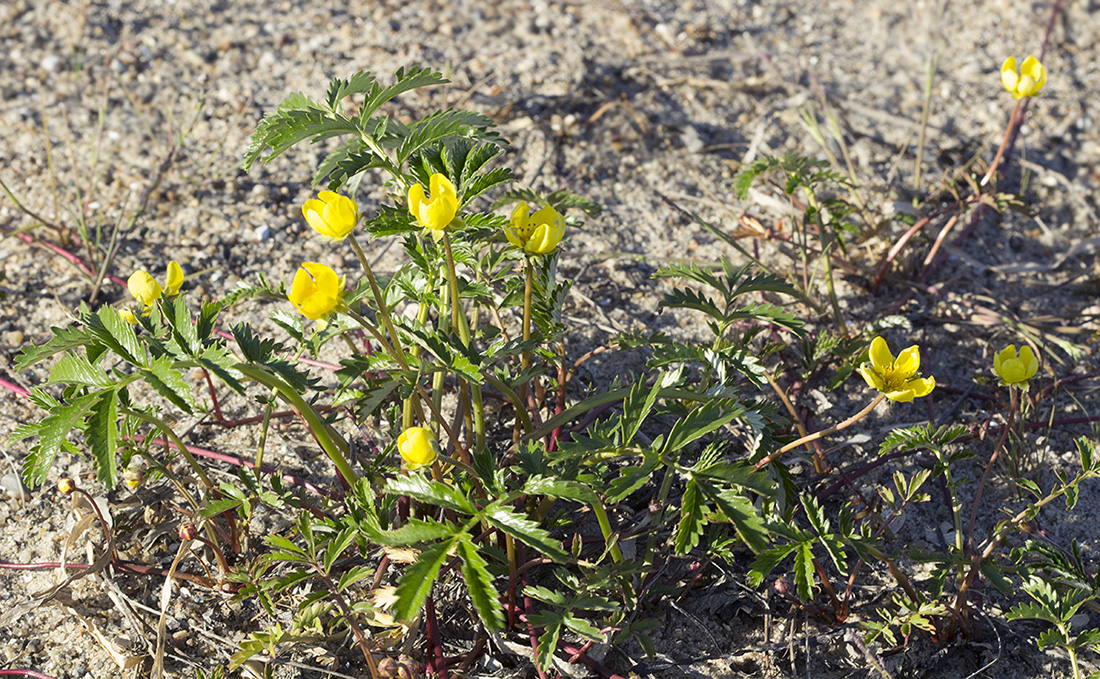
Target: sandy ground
[{"x": 621, "y": 102}]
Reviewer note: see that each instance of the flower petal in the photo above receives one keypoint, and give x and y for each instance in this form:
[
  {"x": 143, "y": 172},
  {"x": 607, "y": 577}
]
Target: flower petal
[
  {"x": 871, "y": 377},
  {"x": 881, "y": 358},
  {"x": 1029, "y": 362},
  {"x": 1009, "y": 76},
  {"x": 922, "y": 386},
  {"x": 175, "y": 278},
  {"x": 908, "y": 361},
  {"x": 144, "y": 288},
  {"x": 416, "y": 200}
]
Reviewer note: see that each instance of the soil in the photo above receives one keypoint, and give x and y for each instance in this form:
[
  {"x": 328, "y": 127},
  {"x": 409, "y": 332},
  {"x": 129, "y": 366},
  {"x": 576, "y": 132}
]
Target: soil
[{"x": 106, "y": 104}]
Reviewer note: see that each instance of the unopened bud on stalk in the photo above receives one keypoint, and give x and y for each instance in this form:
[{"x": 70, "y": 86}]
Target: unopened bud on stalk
[
  {"x": 188, "y": 532},
  {"x": 66, "y": 486}
]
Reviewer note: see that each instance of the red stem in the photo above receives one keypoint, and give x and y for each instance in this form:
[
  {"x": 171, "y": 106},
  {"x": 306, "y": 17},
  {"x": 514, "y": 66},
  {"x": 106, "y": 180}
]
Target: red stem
[{"x": 435, "y": 648}]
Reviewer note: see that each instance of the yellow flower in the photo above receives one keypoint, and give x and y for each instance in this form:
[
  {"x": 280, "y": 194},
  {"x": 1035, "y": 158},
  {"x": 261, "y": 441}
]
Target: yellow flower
[
  {"x": 418, "y": 447},
  {"x": 539, "y": 233},
  {"x": 1013, "y": 369},
  {"x": 331, "y": 215},
  {"x": 128, "y": 316},
  {"x": 437, "y": 211},
  {"x": 147, "y": 290},
  {"x": 897, "y": 378},
  {"x": 1027, "y": 81},
  {"x": 316, "y": 290}
]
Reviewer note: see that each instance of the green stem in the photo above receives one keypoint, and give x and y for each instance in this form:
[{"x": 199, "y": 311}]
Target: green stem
[
  {"x": 171, "y": 436},
  {"x": 313, "y": 421},
  {"x": 379, "y": 298},
  {"x": 525, "y": 360},
  {"x": 605, "y": 528},
  {"x": 602, "y": 399},
  {"x": 662, "y": 497}
]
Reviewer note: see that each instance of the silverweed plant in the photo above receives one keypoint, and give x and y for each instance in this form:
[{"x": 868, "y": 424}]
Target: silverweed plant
[{"x": 474, "y": 479}]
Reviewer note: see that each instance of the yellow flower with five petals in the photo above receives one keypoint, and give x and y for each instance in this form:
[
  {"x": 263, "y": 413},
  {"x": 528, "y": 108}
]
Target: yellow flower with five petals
[
  {"x": 331, "y": 215},
  {"x": 537, "y": 233},
  {"x": 1027, "y": 81},
  {"x": 316, "y": 290},
  {"x": 418, "y": 447},
  {"x": 1015, "y": 369},
  {"x": 897, "y": 378},
  {"x": 437, "y": 210}
]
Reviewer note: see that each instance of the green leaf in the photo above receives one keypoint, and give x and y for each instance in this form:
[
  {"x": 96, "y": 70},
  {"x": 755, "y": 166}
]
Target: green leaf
[
  {"x": 484, "y": 596},
  {"x": 52, "y": 432},
  {"x": 637, "y": 407},
  {"x": 431, "y": 492},
  {"x": 691, "y": 519},
  {"x": 526, "y": 531},
  {"x": 699, "y": 423},
  {"x": 766, "y": 562},
  {"x": 407, "y": 79},
  {"x": 582, "y": 627},
  {"x": 548, "y": 640},
  {"x": 102, "y": 436},
  {"x": 443, "y": 124},
  {"x": 169, "y": 383},
  {"x": 738, "y": 509},
  {"x": 804, "y": 571},
  {"x": 336, "y": 547},
  {"x": 215, "y": 507},
  {"x": 560, "y": 488},
  {"x": 286, "y": 127},
  {"x": 64, "y": 339},
  {"x": 73, "y": 368},
  {"x": 412, "y": 532},
  {"x": 416, "y": 583},
  {"x": 117, "y": 334}
]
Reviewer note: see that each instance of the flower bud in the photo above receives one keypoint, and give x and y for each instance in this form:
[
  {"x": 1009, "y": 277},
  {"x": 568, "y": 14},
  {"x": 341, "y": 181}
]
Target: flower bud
[
  {"x": 188, "y": 532},
  {"x": 66, "y": 485},
  {"x": 418, "y": 447}
]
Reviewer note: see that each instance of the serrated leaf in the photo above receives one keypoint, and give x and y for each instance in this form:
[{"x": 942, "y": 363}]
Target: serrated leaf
[
  {"x": 697, "y": 424},
  {"x": 169, "y": 383},
  {"x": 560, "y": 488},
  {"x": 430, "y": 492},
  {"x": 416, "y": 584},
  {"x": 582, "y": 627},
  {"x": 637, "y": 407},
  {"x": 630, "y": 479},
  {"x": 118, "y": 334},
  {"x": 691, "y": 519},
  {"x": 286, "y": 127},
  {"x": 766, "y": 562},
  {"x": 74, "y": 368},
  {"x": 484, "y": 596},
  {"x": 412, "y": 532},
  {"x": 354, "y": 575},
  {"x": 410, "y": 78},
  {"x": 526, "y": 531},
  {"x": 740, "y": 512},
  {"x": 336, "y": 547},
  {"x": 804, "y": 572},
  {"x": 443, "y": 124},
  {"x": 548, "y": 641},
  {"x": 101, "y": 433},
  {"x": 215, "y": 507},
  {"x": 51, "y": 431}
]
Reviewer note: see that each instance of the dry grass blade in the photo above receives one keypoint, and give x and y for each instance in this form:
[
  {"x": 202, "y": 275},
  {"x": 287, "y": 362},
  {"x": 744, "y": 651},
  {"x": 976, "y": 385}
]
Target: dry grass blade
[{"x": 165, "y": 599}]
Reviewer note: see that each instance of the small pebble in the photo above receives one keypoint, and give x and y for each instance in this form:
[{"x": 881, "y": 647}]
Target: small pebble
[
  {"x": 14, "y": 338},
  {"x": 51, "y": 64},
  {"x": 262, "y": 232},
  {"x": 13, "y": 486}
]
